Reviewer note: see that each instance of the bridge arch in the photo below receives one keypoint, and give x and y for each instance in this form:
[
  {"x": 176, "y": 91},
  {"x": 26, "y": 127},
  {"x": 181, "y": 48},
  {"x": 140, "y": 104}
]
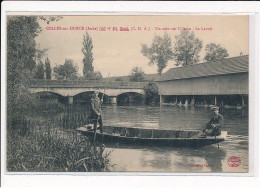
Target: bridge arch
[
  {"x": 141, "y": 92},
  {"x": 84, "y": 97},
  {"x": 47, "y": 96},
  {"x": 130, "y": 97},
  {"x": 92, "y": 91}
]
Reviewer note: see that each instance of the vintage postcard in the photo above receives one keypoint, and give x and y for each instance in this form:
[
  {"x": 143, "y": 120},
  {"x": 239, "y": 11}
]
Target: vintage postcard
[
  {"x": 150, "y": 93},
  {"x": 110, "y": 93}
]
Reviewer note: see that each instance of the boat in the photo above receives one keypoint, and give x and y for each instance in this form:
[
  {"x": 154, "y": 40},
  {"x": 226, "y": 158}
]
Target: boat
[{"x": 151, "y": 137}]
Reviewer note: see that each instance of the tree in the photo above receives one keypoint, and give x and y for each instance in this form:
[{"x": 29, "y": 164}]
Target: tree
[
  {"x": 160, "y": 51},
  {"x": 49, "y": 19},
  {"x": 21, "y": 47},
  {"x": 21, "y": 50},
  {"x": 93, "y": 76},
  {"x": 97, "y": 75},
  {"x": 151, "y": 93},
  {"x": 137, "y": 74},
  {"x": 88, "y": 68},
  {"x": 68, "y": 71},
  {"x": 119, "y": 79},
  {"x": 40, "y": 53},
  {"x": 21, "y": 63},
  {"x": 215, "y": 52},
  {"x": 47, "y": 68},
  {"x": 39, "y": 72},
  {"x": 186, "y": 49}
]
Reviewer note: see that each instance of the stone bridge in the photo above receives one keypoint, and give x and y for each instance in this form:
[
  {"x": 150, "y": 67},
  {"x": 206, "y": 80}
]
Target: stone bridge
[{"x": 71, "y": 88}]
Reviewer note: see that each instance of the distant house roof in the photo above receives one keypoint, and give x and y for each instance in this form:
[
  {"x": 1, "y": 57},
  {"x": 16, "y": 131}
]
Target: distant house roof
[{"x": 220, "y": 67}]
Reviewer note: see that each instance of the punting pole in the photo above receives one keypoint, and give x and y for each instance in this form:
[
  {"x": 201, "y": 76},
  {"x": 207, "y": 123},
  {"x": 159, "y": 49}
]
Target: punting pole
[
  {"x": 101, "y": 104},
  {"x": 96, "y": 132},
  {"x": 105, "y": 87},
  {"x": 216, "y": 138}
]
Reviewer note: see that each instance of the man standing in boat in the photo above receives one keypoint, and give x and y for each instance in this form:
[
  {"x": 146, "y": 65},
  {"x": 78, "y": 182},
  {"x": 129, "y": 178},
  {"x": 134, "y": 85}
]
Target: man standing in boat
[
  {"x": 96, "y": 114},
  {"x": 213, "y": 127}
]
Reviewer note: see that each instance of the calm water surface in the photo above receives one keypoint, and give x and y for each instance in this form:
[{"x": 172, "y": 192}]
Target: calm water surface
[{"x": 161, "y": 159}]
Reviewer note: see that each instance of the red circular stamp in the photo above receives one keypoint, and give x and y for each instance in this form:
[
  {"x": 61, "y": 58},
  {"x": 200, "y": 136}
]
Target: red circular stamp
[{"x": 234, "y": 161}]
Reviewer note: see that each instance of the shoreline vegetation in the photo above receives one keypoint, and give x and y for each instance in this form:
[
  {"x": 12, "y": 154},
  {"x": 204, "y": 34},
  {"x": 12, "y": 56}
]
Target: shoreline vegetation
[{"x": 37, "y": 144}]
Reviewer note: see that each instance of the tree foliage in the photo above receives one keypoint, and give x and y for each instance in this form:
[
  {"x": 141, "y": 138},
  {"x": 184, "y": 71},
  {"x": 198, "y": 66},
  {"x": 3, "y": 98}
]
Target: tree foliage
[
  {"x": 151, "y": 93},
  {"x": 21, "y": 46},
  {"x": 88, "y": 68},
  {"x": 49, "y": 19},
  {"x": 22, "y": 54},
  {"x": 137, "y": 74},
  {"x": 21, "y": 50},
  {"x": 67, "y": 71},
  {"x": 92, "y": 76},
  {"x": 186, "y": 49},
  {"x": 39, "y": 71},
  {"x": 48, "y": 70},
  {"x": 40, "y": 53},
  {"x": 215, "y": 52},
  {"x": 160, "y": 52},
  {"x": 119, "y": 79}
]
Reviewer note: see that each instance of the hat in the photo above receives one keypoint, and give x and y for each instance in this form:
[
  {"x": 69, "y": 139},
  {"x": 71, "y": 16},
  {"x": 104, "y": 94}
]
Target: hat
[{"x": 215, "y": 108}]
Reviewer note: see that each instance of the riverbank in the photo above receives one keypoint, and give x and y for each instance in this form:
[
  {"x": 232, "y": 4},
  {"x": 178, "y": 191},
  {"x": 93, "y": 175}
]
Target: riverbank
[{"x": 38, "y": 144}]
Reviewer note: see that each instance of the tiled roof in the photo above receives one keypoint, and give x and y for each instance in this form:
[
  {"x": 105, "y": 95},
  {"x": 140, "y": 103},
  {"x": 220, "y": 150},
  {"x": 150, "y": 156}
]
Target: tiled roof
[{"x": 220, "y": 67}]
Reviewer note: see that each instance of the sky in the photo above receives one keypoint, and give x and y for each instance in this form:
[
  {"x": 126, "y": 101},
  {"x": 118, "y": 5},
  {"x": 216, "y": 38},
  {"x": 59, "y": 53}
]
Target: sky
[{"x": 117, "y": 52}]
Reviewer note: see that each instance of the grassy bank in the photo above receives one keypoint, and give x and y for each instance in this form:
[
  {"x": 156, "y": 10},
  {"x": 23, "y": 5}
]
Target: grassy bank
[{"x": 37, "y": 145}]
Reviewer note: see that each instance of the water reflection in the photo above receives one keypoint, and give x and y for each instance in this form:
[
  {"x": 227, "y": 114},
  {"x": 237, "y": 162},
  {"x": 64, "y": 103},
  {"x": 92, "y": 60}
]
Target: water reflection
[
  {"x": 164, "y": 159},
  {"x": 207, "y": 159},
  {"x": 211, "y": 154}
]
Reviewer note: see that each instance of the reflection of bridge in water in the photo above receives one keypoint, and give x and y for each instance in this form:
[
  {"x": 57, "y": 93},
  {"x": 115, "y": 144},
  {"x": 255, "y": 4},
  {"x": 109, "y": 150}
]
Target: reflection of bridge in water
[{"x": 78, "y": 90}]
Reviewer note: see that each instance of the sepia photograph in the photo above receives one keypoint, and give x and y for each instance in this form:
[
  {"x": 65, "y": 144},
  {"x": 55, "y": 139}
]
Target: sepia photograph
[{"x": 127, "y": 93}]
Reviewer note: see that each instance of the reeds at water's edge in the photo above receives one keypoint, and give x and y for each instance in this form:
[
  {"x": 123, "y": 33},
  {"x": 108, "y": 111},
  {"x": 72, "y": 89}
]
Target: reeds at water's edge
[{"x": 53, "y": 145}]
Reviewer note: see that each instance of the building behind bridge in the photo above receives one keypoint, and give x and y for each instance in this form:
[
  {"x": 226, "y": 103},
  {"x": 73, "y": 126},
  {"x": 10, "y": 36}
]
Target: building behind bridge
[{"x": 222, "y": 82}]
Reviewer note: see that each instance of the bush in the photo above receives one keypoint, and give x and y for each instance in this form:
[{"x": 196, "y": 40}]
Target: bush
[
  {"x": 37, "y": 143},
  {"x": 137, "y": 75},
  {"x": 54, "y": 151},
  {"x": 151, "y": 93},
  {"x": 119, "y": 79},
  {"x": 72, "y": 118},
  {"x": 92, "y": 75}
]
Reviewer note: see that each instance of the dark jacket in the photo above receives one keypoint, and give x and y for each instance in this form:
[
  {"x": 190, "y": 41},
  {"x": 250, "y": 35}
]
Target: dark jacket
[
  {"x": 217, "y": 121},
  {"x": 95, "y": 106}
]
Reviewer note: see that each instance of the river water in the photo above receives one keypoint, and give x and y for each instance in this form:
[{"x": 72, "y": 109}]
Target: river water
[{"x": 168, "y": 159}]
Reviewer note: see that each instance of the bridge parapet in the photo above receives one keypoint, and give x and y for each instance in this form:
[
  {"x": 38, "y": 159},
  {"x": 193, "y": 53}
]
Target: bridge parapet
[{"x": 87, "y": 84}]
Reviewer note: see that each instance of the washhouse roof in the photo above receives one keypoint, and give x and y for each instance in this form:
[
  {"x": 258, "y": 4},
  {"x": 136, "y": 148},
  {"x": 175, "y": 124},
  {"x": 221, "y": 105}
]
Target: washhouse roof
[{"x": 221, "y": 67}]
